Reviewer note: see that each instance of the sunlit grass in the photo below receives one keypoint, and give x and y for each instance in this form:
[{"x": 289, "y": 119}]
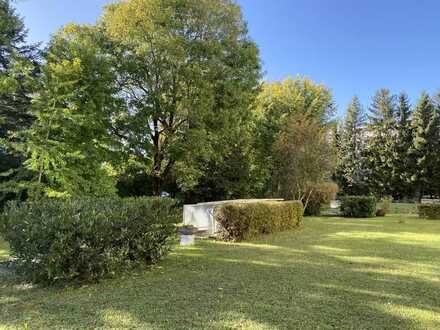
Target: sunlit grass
[{"x": 333, "y": 273}]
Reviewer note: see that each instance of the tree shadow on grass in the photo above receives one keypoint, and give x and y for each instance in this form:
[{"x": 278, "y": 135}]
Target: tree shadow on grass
[{"x": 323, "y": 276}]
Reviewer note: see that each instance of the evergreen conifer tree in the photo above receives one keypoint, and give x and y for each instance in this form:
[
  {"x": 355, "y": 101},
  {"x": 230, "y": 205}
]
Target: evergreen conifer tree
[
  {"x": 351, "y": 171},
  {"x": 403, "y": 167},
  {"x": 381, "y": 142},
  {"x": 424, "y": 151}
]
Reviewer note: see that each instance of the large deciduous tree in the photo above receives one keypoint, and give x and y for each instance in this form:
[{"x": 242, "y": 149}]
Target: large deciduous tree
[
  {"x": 188, "y": 72},
  {"x": 68, "y": 145},
  {"x": 276, "y": 103}
]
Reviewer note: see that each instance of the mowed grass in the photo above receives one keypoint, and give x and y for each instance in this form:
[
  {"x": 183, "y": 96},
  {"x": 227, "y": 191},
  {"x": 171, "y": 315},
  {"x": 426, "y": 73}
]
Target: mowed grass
[
  {"x": 380, "y": 273},
  {"x": 403, "y": 208}
]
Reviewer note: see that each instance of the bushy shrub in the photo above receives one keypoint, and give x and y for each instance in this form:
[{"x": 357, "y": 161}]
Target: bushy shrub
[
  {"x": 358, "y": 206},
  {"x": 89, "y": 238},
  {"x": 429, "y": 211},
  {"x": 242, "y": 221},
  {"x": 384, "y": 206},
  {"x": 380, "y": 213},
  {"x": 320, "y": 195}
]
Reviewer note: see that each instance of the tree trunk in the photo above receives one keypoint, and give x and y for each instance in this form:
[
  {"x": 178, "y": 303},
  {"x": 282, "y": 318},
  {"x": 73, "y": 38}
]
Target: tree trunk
[
  {"x": 157, "y": 160},
  {"x": 157, "y": 185}
]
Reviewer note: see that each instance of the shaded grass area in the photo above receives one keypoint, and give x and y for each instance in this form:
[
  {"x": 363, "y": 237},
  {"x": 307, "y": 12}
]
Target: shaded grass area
[
  {"x": 333, "y": 273},
  {"x": 4, "y": 252}
]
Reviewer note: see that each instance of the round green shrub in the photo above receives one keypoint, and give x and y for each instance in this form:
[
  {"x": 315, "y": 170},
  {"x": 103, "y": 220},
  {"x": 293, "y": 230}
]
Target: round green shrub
[
  {"x": 86, "y": 239},
  {"x": 358, "y": 206}
]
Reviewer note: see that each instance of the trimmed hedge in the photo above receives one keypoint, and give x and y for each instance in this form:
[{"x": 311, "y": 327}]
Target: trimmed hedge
[
  {"x": 429, "y": 211},
  {"x": 243, "y": 221},
  {"x": 89, "y": 238},
  {"x": 358, "y": 206}
]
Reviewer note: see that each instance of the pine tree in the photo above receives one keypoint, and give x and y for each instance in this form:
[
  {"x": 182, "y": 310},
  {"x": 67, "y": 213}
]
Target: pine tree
[
  {"x": 351, "y": 170},
  {"x": 424, "y": 151},
  {"x": 402, "y": 172},
  {"x": 381, "y": 142},
  {"x": 435, "y": 179}
]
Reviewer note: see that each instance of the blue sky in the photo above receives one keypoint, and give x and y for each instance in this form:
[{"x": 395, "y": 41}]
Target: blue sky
[{"x": 353, "y": 47}]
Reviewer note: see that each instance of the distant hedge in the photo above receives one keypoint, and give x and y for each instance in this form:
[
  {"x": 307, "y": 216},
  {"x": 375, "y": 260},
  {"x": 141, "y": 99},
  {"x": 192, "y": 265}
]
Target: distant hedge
[
  {"x": 242, "y": 221},
  {"x": 429, "y": 211},
  {"x": 89, "y": 238},
  {"x": 358, "y": 206}
]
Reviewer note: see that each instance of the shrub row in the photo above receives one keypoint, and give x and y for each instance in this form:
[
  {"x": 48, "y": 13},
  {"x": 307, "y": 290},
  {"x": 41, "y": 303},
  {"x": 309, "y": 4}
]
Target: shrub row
[
  {"x": 429, "y": 211},
  {"x": 244, "y": 221},
  {"x": 89, "y": 238},
  {"x": 358, "y": 206}
]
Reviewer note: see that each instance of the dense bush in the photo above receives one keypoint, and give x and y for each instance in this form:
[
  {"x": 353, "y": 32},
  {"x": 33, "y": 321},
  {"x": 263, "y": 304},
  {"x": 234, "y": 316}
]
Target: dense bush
[
  {"x": 242, "y": 221},
  {"x": 429, "y": 211},
  {"x": 358, "y": 206},
  {"x": 384, "y": 206},
  {"x": 320, "y": 195},
  {"x": 88, "y": 238}
]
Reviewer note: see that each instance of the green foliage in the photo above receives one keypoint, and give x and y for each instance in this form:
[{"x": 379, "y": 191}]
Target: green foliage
[
  {"x": 18, "y": 62},
  {"x": 403, "y": 162},
  {"x": 320, "y": 195},
  {"x": 304, "y": 158},
  {"x": 351, "y": 171},
  {"x": 89, "y": 238},
  {"x": 358, "y": 206},
  {"x": 429, "y": 211},
  {"x": 68, "y": 147},
  {"x": 189, "y": 72},
  {"x": 426, "y": 146},
  {"x": 276, "y": 104},
  {"x": 243, "y": 221},
  {"x": 381, "y": 142}
]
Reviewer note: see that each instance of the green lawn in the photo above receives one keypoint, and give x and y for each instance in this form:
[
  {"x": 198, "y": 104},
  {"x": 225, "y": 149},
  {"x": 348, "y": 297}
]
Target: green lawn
[
  {"x": 3, "y": 250},
  {"x": 333, "y": 273},
  {"x": 404, "y": 208}
]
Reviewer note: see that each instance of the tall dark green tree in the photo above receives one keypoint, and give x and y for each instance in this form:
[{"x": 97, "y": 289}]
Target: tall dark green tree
[
  {"x": 380, "y": 142},
  {"x": 18, "y": 60},
  {"x": 435, "y": 182},
  {"x": 425, "y": 148},
  {"x": 351, "y": 170},
  {"x": 403, "y": 167}
]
